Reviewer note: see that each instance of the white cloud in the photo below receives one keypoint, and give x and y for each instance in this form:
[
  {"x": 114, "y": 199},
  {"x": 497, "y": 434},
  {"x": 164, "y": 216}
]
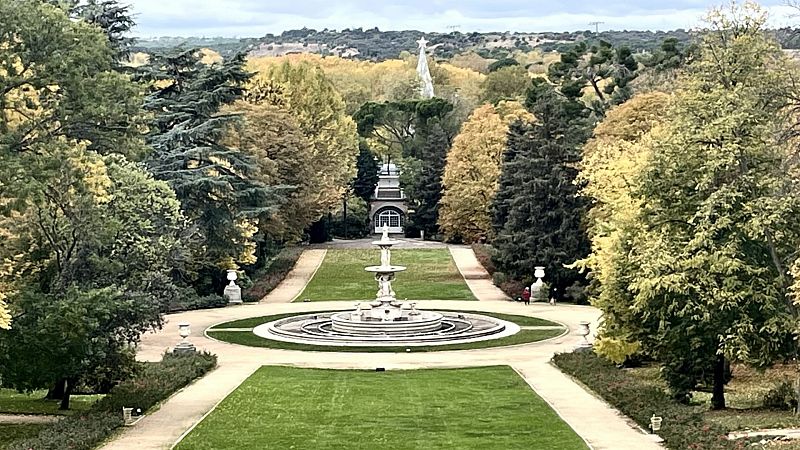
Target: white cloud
[{"x": 253, "y": 18}]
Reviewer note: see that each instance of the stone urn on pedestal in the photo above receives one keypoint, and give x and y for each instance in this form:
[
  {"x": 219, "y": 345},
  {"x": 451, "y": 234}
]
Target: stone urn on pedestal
[
  {"x": 233, "y": 292},
  {"x": 184, "y": 346},
  {"x": 583, "y": 331}
]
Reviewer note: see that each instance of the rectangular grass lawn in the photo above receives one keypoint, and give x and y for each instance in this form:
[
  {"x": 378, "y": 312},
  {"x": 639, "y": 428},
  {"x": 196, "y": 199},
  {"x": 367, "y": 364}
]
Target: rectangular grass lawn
[
  {"x": 431, "y": 275},
  {"x": 292, "y": 408}
]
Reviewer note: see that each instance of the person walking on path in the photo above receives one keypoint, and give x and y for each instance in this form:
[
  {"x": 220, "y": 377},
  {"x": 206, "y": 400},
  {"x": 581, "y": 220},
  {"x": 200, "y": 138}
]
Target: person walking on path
[{"x": 526, "y": 296}]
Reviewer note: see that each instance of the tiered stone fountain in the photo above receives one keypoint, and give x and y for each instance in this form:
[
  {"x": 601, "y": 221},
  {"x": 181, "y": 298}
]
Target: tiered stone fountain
[
  {"x": 386, "y": 321},
  {"x": 386, "y": 315}
]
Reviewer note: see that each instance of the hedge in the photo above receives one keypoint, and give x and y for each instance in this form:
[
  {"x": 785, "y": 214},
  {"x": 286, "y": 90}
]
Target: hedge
[
  {"x": 683, "y": 426},
  {"x": 155, "y": 383}
]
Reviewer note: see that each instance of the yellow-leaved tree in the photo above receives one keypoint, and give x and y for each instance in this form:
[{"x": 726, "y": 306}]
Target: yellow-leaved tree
[
  {"x": 473, "y": 170},
  {"x": 302, "y": 89},
  {"x": 611, "y": 160}
]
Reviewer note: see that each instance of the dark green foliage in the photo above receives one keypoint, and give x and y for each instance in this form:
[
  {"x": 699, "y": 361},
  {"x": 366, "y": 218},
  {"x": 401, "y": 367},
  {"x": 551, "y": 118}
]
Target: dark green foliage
[
  {"x": 67, "y": 336},
  {"x": 500, "y": 63},
  {"x": 782, "y": 396},
  {"x": 84, "y": 432},
  {"x": 537, "y": 214},
  {"x": 367, "y": 173},
  {"x": 593, "y": 66},
  {"x": 113, "y": 18},
  {"x": 267, "y": 278},
  {"x": 218, "y": 186},
  {"x": 683, "y": 426},
  {"x": 155, "y": 383},
  {"x": 428, "y": 189},
  {"x": 670, "y": 55}
]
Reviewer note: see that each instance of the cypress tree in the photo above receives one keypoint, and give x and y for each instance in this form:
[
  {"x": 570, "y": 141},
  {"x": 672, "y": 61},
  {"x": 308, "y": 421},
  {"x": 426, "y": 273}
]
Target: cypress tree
[{"x": 537, "y": 212}]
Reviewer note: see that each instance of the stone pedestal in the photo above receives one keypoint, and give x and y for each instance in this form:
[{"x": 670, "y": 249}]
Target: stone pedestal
[
  {"x": 184, "y": 347},
  {"x": 233, "y": 293}
]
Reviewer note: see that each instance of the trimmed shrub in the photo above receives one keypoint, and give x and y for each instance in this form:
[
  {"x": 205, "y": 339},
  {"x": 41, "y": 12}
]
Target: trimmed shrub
[
  {"x": 157, "y": 381},
  {"x": 781, "y": 396},
  {"x": 153, "y": 384},
  {"x": 483, "y": 252},
  {"x": 683, "y": 426},
  {"x": 268, "y": 278},
  {"x": 82, "y": 432}
]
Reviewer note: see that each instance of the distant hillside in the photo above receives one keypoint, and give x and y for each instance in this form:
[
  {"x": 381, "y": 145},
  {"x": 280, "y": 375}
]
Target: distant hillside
[{"x": 376, "y": 45}]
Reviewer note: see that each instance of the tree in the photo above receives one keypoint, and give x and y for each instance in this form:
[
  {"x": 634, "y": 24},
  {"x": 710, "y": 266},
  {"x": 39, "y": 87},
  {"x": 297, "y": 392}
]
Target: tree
[
  {"x": 707, "y": 269},
  {"x": 612, "y": 160},
  {"x": 428, "y": 185},
  {"x": 273, "y": 139},
  {"x": 90, "y": 250},
  {"x": 219, "y": 187},
  {"x": 606, "y": 70},
  {"x": 500, "y": 63},
  {"x": 303, "y": 90},
  {"x": 59, "y": 80},
  {"x": 367, "y": 173},
  {"x": 537, "y": 214},
  {"x": 472, "y": 171},
  {"x": 506, "y": 83}
]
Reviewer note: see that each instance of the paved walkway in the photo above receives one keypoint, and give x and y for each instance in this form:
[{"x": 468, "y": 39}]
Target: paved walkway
[
  {"x": 601, "y": 426},
  {"x": 297, "y": 279},
  {"x": 477, "y": 278}
]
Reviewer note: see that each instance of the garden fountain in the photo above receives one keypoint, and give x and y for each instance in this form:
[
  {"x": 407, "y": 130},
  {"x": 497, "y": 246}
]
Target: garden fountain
[{"x": 386, "y": 321}]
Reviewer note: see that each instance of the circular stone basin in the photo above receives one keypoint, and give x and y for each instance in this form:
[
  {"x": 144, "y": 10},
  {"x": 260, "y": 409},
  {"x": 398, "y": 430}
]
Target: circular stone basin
[
  {"x": 421, "y": 323},
  {"x": 450, "y": 328}
]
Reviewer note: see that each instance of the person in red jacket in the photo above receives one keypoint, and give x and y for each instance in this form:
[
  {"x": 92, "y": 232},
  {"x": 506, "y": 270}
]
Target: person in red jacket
[{"x": 526, "y": 296}]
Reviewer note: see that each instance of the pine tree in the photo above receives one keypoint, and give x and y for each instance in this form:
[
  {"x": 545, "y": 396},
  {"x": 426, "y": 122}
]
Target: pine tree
[
  {"x": 537, "y": 213},
  {"x": 218, "y": 186}
]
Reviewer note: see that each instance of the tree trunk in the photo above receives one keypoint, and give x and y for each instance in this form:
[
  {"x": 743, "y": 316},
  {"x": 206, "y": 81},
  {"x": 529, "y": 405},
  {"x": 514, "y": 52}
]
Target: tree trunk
[
  {"x": 57, "y": 391},
  {"x": 718, "y": 396},
  {"x": 67, "y": 392}
]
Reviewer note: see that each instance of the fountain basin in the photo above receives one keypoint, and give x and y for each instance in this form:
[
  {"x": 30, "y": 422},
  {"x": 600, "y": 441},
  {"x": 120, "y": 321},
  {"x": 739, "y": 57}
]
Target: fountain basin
[
  {"x": 453, "y": 328},
  {"x": 371, "y": 322},
  {"x": 385, "y": 269}
]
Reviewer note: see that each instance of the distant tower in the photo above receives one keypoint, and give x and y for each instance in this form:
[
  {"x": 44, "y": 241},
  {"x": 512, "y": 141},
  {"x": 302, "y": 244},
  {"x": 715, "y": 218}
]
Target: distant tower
[{"x": 426, "y": 82}]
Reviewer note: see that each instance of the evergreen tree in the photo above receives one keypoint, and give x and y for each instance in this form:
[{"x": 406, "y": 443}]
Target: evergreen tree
[
  {"x": 428, "y": 189},
  {"x": 367, "y": 173},
  {"x": 219, "y": 187},
  {"x": 537, "y": 213}
]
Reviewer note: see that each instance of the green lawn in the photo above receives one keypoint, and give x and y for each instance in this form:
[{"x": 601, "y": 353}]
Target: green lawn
[
  {"x": 12, "y": 401},
  {"x": 292, "y": 408},
  {"x": 10, "y": 433},
  {"x": 431, "y": 275}
]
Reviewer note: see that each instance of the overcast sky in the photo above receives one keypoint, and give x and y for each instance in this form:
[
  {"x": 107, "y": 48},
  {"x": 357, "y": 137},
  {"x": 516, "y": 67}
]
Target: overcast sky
[{"x": 245, "y": 18}]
